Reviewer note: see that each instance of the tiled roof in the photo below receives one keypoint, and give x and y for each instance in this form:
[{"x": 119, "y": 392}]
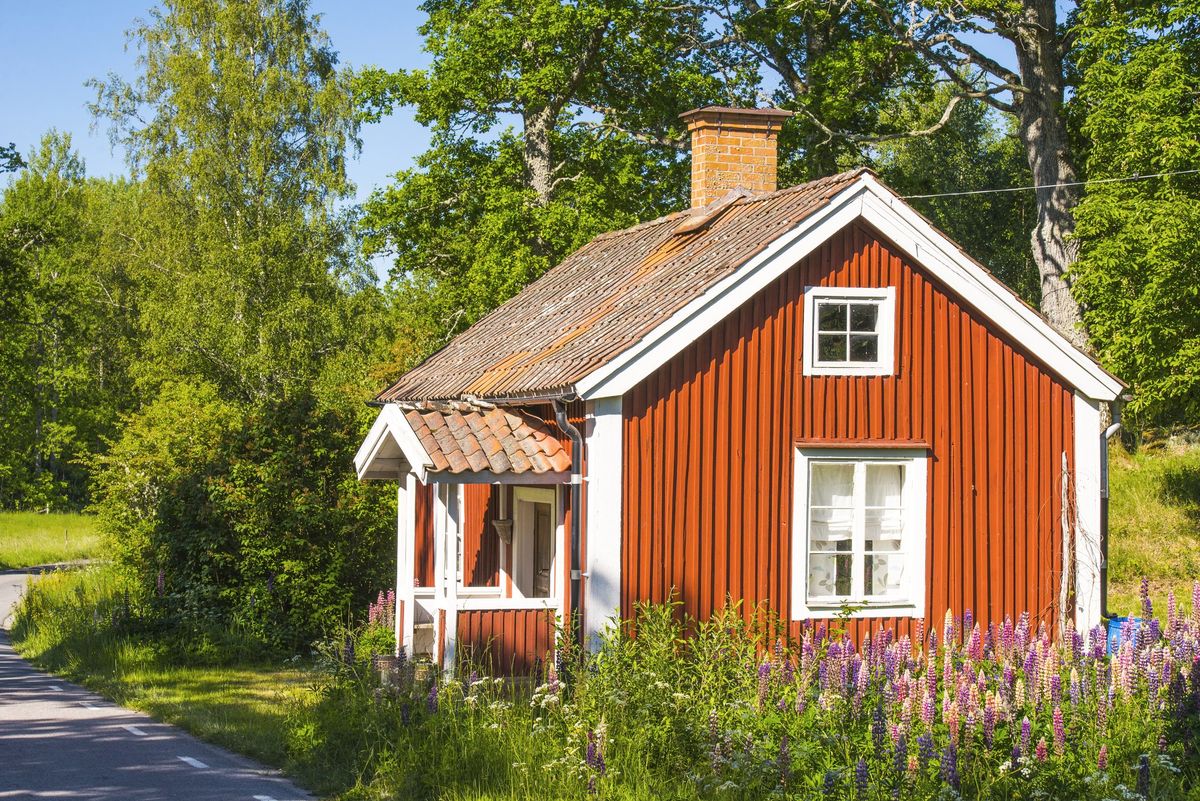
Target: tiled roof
[
  {"x": 606, "y": 296},
  {"x": 468, "y": 437}
]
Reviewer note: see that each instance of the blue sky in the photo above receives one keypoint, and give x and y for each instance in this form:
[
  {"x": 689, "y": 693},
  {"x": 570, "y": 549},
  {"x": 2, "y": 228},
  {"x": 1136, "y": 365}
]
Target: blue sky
[{"x": 50, "y": 48}]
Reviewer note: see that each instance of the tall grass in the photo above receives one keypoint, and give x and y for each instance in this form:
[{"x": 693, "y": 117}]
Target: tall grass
[{"x": 28, "y": 538}]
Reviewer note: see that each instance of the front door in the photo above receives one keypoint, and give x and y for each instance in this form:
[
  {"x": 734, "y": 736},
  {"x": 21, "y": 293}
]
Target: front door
[{"x": 534, "y": 541}]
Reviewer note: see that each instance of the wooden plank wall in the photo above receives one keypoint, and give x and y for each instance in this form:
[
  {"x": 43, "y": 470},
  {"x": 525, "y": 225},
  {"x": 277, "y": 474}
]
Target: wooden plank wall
[
  {"x": 709, "y": 448},
  {"x": 423, "y": 570},
  {"x": 481, "y": 544},
  {"x": 508, "y": 642}
]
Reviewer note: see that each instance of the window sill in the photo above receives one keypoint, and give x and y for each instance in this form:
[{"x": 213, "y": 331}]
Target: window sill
[{"x": 819, "y": 611}]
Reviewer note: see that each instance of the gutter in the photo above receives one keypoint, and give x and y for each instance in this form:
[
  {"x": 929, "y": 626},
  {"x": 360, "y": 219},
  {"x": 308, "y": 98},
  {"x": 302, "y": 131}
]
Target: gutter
[
  {"x": 565, "y": 425},
  {"x": 1104, "y": 438}
]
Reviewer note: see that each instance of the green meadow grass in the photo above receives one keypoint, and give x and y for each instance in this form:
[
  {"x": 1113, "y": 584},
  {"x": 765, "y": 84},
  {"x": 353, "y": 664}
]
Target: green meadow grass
[
  {"x": 1154, "y": 525},
  {"x": 28, "y": 538}
]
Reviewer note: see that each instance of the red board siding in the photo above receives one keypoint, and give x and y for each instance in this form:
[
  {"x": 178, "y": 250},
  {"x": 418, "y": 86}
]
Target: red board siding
[
  {"x": 423, "y": 570},
  {"x": 709, "y": 443},
  {"x": 481, "y": 544},
  {"x": 508, "y": 642}
]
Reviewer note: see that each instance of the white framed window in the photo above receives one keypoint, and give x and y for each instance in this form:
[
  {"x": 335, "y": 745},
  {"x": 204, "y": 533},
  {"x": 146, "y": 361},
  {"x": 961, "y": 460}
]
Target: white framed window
[
  {"x": 536, "y": 533},
  {"x": 849, "y": 331},
  {"x": 859, "y": 533}
]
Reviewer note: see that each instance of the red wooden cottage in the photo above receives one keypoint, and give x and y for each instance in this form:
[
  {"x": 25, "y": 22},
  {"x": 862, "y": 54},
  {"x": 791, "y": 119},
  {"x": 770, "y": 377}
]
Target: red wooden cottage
[{"x": 803, "y": 398}]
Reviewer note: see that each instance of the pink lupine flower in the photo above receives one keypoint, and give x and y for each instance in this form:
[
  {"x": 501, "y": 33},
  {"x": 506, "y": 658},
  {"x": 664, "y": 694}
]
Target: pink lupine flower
[
  {"x": 927, "y": 710},
  {"x": 1102, "y": 759},
  {"x": 952, "y": 722},
  {"x": 1196, "y": 605},
  {"x": 1060, "y": 732},
  {"x": 1040, "y": 752}
]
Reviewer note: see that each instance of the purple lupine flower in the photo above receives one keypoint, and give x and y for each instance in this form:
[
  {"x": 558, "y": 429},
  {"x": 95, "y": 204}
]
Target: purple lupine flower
[
  {"x": 829, "y": 783},
  {"x": 1026, "y": 733},
  {"x": 160, "y": 583},
  {"x": 1060, "y": 732},
  {"x": 862, "y": 778},
  {"x": 595, "y": 754},
  {"x": 967, "y": 622},
  {"x": 1055, "y": 688},
  {"x": 1196, "y": 604},
  {"x": 1006, "y": 635},
  {"x": 949, "y": 767},
  {"x": 787, "y": 672},
  {"x": 1143, "y": 776},
  {"x": 1102, "y": 712},
  {"x": 989, "y": 719},
  {"x": 878, "y": 727},
  {"x": 1102, "y": 759},
  {"x": 348, "y": 650},
  {"x": 925, "y": 748},
  {"x": 1040, "y": 753},
  {"x": 900, "y": 755},
  {"x": 1022, "y": 632},
  {"x": 927, "y": 710},
  {"x": 431, "y": 700},
  {"x": 1144, "y": 593},
  {"x": 405, "y": 713},
  {"x": 764, "y": 679}
]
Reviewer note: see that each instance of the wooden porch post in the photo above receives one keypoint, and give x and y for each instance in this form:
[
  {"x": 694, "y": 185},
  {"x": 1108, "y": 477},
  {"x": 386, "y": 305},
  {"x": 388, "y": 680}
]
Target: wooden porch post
[
  {"x": 447, "y": 506},
  {"x": 406, "y": 545}
]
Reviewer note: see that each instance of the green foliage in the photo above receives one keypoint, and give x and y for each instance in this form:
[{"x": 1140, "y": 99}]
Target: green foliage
[
  {"x": 65, "y": 323},
  {"x": 1139, "y": 272},
  {"x": 244, "y": 518},
  {"x": 240, "y": 122}
]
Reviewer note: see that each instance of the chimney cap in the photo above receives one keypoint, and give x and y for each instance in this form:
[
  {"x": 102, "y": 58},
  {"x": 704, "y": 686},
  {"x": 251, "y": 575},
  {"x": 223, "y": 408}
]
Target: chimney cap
[{"x": 777, "y": 113}]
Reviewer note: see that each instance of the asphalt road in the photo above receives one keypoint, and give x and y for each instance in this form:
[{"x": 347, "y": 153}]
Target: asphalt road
[{"x": 60, "y": 741}]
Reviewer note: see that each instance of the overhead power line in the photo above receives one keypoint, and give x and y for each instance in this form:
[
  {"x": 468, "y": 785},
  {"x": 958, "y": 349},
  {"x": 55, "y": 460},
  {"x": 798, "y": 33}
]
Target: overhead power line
[{"x": 1052, "y": 186}]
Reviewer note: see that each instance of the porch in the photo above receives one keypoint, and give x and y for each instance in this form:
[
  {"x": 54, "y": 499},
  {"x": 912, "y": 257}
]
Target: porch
[{"x": 483, "y": 532}]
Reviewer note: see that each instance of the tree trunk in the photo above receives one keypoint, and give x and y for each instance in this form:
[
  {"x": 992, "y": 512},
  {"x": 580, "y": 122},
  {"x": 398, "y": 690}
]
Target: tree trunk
[
  {"x": 538, "y": 163},
  {"x": 1043, "y": 132}
]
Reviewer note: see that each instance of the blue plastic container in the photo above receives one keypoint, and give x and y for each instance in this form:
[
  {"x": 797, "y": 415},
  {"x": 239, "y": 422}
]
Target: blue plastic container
[{"x": 1115, "y": 625}]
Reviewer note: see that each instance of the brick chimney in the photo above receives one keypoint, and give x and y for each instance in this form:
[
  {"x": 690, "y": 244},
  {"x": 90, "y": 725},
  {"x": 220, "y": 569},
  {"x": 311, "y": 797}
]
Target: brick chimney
[{"x": 731, "y": 148}]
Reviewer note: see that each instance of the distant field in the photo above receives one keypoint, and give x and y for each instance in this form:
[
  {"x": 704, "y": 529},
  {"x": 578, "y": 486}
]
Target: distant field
[
  {"x": 29, "y": 538},
  {"x": 1154, "y": 525}
]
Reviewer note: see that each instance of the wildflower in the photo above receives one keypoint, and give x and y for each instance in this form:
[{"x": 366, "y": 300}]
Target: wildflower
[
  {"x": 1026, "y": 733},
  {"x": 1102, "y": 713},
  {"x": 989, "y": 719},
  {"x": 900, "y": 754},
  {"x": 1144, "y": 593},
  {"x": 405, "y": 714},
  {"x": 949, "y": 768},
  {"x": 927, "y": 710},
  {"x": 1143, "y": 775},
  {"x": 829, "y": 784},
  {"x": 160, "y": 583},
  {"x": 431, "y": 700},
  {"x": 878, "y": 727},
  {"x": 1040, "y": 753},
  {"x": 925, "y": 748},
  {"x": 764, "y": 678},
  {"x": 348, "y": 650},
  {"x": 862, "y": 778},
  {"x": 1102, "y": 759},
  {"x": 1060, "y": 732}
]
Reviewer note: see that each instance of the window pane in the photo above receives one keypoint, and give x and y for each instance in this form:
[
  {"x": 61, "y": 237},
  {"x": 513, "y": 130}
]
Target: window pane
[
  {"x": 884, "y": 530},
  {"x": 863, "y": 316},
  {"x": 543, "y": 550},
  {"x": 831, "y": 347},
  {"x": 884, "y": 575},
  {"x": 864, "y": 347},
  {"x": 831, "y": 484},
  {"x": 828, "y": 528},
  {"x": 829, "y": 575},
  {"x": 831, "y": 316},
  {"x": 885, "y": 485}
]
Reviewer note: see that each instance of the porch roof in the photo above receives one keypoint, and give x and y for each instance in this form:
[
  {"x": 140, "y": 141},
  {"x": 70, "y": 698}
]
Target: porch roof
[{"x": 462, "y": 442}]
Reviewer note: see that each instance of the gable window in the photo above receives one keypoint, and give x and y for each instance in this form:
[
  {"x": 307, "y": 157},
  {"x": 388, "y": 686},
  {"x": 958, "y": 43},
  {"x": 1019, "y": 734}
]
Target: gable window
[
  {"x": 849, "y": 331},
  {"x": 860, "y": 533}
]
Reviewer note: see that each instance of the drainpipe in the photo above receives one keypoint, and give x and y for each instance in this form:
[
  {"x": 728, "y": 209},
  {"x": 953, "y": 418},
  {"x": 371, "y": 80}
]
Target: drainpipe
[
  {"x": 1104, "y": 438},
  {"x": 564, "y": 424}
]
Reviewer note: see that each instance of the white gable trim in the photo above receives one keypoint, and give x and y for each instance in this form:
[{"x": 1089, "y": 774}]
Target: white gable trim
[
  {"x": 391, "y": 426},
  {"x": 869, "y": 200}
]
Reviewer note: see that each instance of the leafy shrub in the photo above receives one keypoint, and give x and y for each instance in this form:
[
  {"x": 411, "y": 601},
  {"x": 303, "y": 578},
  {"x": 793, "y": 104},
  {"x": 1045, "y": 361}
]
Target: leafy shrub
[
  {"x": 245, "y": 520},
  {"x": 719, "y": 710}
]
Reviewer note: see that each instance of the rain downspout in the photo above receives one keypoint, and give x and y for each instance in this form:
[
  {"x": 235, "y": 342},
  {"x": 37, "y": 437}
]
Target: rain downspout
[
  {"x": 1104, "y": 438},
  {"x": 564, "y": 425}
]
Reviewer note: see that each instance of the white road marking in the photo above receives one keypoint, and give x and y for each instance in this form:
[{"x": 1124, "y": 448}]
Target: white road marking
[
  {"x": 263, "y": 798},
  {"x": 133, "y": 730},
  {"x": 87, "y": 705},
  {"x": 195, "y": 763},
  {"x": 57, "y": 689}
]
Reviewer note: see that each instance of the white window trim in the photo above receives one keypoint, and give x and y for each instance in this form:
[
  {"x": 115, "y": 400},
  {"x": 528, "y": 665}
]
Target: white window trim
[
  {"x": 916, "y": 461},
  {"x": 522, "y": 495},
  {"x": 885, "y": 327}
]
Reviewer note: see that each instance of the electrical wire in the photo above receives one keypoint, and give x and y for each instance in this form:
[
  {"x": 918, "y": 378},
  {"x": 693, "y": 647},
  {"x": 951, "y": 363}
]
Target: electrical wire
[{"x": 1052, "y": 186}]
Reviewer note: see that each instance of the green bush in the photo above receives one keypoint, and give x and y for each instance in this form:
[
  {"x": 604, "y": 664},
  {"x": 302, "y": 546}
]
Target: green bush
[{"x": 250, "y": 520}]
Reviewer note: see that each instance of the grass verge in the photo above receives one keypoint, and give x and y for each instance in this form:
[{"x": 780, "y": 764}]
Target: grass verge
[
  {"x": 29, "y": 538},
  {"x": 1154, "y": 525},
  {"x": 68, "y": 629}
]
